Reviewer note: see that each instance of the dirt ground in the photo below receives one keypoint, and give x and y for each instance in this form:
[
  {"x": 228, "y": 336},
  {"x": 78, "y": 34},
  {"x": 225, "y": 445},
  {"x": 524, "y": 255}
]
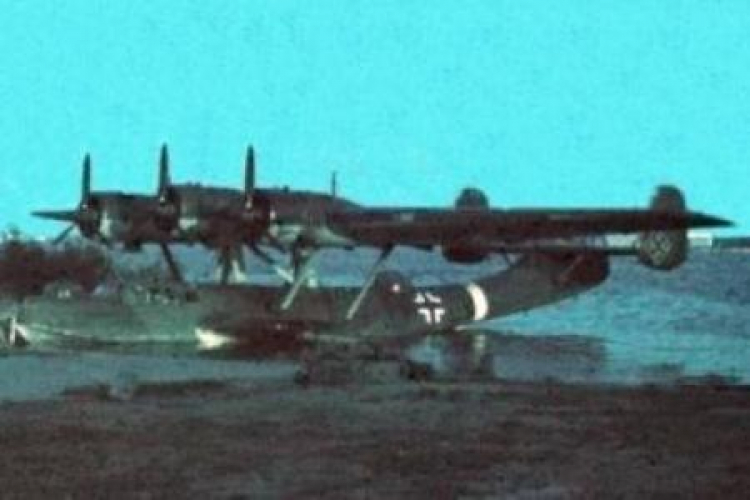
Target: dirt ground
[{"x": 389, "y": 440}]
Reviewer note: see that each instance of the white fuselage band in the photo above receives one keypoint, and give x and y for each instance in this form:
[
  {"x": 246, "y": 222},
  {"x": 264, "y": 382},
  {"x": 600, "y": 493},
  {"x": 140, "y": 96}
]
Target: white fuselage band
[{"x": 479, "y": 299}]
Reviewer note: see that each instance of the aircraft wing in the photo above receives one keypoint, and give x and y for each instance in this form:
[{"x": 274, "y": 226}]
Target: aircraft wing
[{"x": 432, "y": 227}]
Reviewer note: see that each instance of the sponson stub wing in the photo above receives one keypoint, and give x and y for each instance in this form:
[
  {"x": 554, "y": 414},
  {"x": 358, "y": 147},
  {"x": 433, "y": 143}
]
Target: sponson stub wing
[{"x": 425, "y": 227}]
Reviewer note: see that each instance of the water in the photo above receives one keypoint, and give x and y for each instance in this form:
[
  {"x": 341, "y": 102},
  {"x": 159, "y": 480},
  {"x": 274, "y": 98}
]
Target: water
[
  {"x": 26, "y": 376},
  {"x": 694, "y": 321},
  {"x": 646, "y": 325}
]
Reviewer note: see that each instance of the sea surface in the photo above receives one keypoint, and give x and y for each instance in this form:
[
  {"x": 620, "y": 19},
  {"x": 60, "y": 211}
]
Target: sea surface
[{"x": 694, "y": 321}]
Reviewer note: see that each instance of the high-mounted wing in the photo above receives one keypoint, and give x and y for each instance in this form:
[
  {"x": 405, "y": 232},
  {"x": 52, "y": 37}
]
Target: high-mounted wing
[
  {"x": 429, "y": 227},
  {"x": 422, "y": 227}
]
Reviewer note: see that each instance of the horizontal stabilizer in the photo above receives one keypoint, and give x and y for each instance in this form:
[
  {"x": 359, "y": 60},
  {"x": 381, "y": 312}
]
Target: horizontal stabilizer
[{"x": 662, "y": 244}]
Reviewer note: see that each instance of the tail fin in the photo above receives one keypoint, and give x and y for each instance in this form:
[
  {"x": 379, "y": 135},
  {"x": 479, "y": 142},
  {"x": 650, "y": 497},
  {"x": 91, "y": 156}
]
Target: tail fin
[{"x": 664, "y": 250}]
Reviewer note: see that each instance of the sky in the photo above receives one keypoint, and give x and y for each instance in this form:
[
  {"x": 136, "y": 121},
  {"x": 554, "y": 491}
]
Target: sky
[{"x": 539, "y": 103}]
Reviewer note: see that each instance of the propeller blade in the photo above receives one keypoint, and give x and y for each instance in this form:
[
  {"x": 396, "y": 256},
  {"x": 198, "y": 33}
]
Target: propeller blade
[
  {"x": 238, "y": 257},
  {"x": 98, "y": 236},
  {"x": 174, "y": 268},
  {"x": 275, "y": 243},
  {"x": 58, "y": 215},
  {"x": 250, "y": 172},
  {"x": 63, "y": 235},
  {"x": 224, "y": 258},
  {"x": 261, "y": 254},
  {"x": 285, "y": 274},
  {"x": 86, "y": 178},
  {"x": 164, "y": 180}
]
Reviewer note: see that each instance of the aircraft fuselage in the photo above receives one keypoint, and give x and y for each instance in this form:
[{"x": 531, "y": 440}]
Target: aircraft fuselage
[{"x": 394, "y": 307}]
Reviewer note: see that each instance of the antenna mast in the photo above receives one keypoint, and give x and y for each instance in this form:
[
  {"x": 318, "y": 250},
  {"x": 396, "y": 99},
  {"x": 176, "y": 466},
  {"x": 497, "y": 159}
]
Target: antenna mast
[{"x": 334, "y": 185}]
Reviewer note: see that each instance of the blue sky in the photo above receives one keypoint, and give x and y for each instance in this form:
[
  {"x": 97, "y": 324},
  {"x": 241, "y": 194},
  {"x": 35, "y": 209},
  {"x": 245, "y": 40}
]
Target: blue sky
[{"x": 555, "y": 103}]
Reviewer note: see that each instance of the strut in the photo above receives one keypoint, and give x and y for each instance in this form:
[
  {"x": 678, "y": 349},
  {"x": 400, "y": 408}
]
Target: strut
[
  {"x": 301, "y": 273},
  {"x": 359, "y": 299},
  {"x": 231, "y": 264},
  {"x": 174, "y": 269}
]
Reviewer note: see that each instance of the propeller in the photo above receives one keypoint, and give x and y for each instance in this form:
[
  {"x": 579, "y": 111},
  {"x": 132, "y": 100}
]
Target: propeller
[
  {"x": 247, "y": 225},
  {"x": 167, "y": 212},
  {"x": 63, "y": 235},
  {"x": 249, "y": 174},
  {"x": 164, "y": 178},
  {"x": 86, "y": 178},
  {"x": 256, "y": 210},
  {"x": 87, "y": 217}
]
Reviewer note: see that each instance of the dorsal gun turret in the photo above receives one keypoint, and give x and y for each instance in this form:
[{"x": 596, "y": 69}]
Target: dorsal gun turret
[{"x": 472, "y": 199}]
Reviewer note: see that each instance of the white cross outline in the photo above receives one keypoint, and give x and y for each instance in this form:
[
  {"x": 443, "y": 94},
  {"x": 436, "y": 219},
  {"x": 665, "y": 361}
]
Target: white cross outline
[
  {"x": 658, "y": 245},
  {"x": 431, "y": 307}
]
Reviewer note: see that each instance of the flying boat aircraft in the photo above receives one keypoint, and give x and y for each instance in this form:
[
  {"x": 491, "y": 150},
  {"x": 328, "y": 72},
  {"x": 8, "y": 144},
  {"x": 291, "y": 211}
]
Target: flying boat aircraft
[
  {"x": 388, "y": 310},
  {"x": 301, "y": 223},
  {"x": 561, "y": 253}
]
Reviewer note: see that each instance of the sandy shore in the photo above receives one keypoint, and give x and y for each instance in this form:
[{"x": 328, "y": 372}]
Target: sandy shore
[{"x": 394, "y": 440}]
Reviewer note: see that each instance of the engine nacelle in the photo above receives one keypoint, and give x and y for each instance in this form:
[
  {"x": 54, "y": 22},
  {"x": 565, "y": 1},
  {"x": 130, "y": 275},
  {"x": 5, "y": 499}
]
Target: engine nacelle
[
  {"x": 132, "y": 246},
  {"x": 465, "y": 254}
]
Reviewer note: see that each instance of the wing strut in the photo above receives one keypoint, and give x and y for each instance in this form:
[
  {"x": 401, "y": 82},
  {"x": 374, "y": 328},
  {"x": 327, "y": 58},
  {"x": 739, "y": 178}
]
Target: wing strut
[
  {"x": 174, "y": 269},
  {"x": 285, "y": 275},
  {"x": 301, "y": 275},
  {"x": 357, "y": 303},
  {"x": 239, "y": 267},
  {"x": 232, "y": 266}
]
